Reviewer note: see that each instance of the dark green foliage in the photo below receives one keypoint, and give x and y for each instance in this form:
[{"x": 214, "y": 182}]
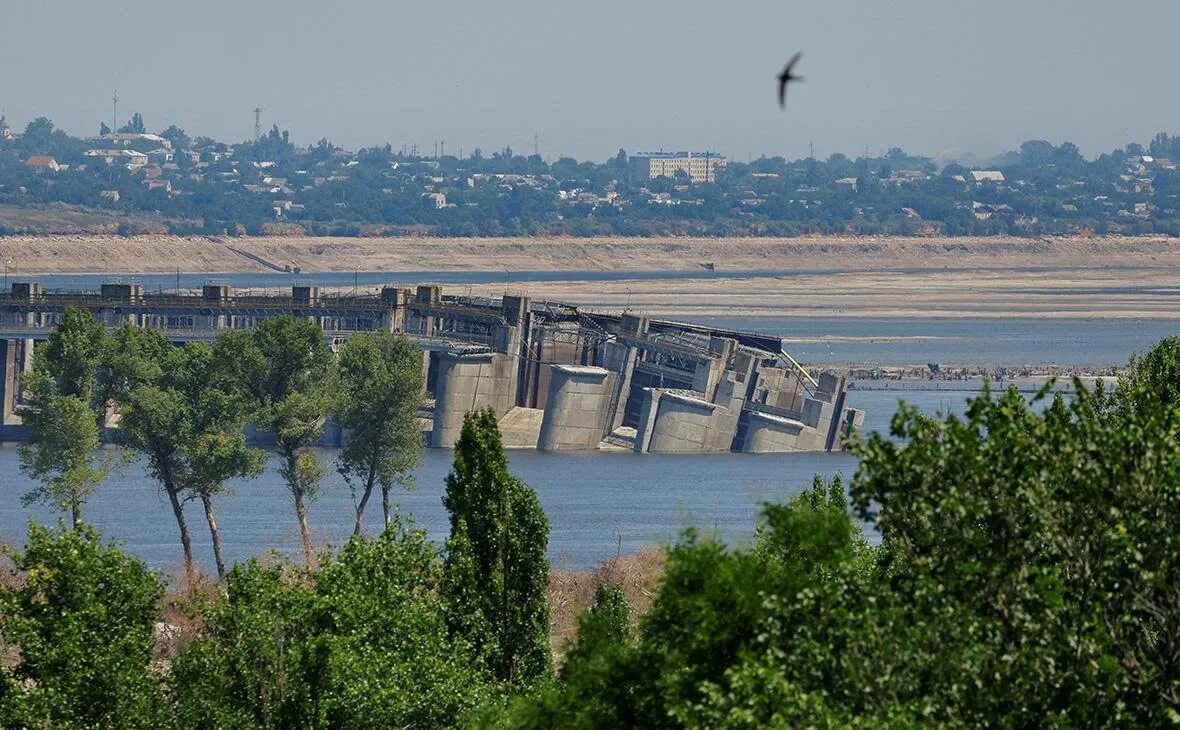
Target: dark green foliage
[
  {"x": 606, "y": 624},
  {"x": 83, "y": 619},
  {"x": 182, "y": 412},
  {"x": 288, "y": 373},
  {"x": 60, "y": 452},
  {"x": 1151, "y": 380},
  {"x": 496, "y": 570},
  {"x": 63, "y": 409},
  {"x": 72, "y": 353},
  {"x": 363, "y": 644},
  {"x": 1026, "y": 577},
  {"x": 134, "y": 126},
  {"x": 737, "y": 638},
  {"x": 381, "y": 391}
]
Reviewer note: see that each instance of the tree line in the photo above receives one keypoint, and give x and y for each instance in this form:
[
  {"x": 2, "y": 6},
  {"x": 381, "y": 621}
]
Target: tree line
[
  {"x": 1026, "y": 575},
  {"x": 183, "y": 409}
]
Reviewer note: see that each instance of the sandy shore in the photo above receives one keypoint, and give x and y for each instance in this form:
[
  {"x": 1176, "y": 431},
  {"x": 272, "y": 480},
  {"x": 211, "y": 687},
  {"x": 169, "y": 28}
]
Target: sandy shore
[
  {"x": 901, "y": 277},
  {"x": 161, "y": 254}
]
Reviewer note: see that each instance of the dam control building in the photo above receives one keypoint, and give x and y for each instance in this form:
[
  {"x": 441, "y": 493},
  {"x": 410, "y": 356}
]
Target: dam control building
[{"x": 557, "y": 376}]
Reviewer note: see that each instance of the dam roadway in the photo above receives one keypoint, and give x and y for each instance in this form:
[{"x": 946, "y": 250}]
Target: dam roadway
[{"x": 560, "y": 377}]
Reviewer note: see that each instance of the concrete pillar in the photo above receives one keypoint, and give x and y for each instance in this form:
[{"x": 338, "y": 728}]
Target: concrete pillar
[
  {"x": 27, "y": 355},
  {"x": 394, "y": 319},
  {"x": 647, "y": 419},
  {"x": 576, "y": 411},
  {"x": 9, "y": 380},
  {"x": 771, "y": 434},
  {"x": 467, "y": 382},
  {"x": 682, "y": 425}
]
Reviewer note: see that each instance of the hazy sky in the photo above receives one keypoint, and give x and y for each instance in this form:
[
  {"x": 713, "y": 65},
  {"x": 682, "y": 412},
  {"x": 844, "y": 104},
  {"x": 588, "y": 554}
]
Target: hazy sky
[{"x": 940, "y": 77}]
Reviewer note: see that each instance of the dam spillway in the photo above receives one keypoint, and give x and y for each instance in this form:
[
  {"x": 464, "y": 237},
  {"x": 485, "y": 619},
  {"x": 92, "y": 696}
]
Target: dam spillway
[{"x": 559, "y": 377}]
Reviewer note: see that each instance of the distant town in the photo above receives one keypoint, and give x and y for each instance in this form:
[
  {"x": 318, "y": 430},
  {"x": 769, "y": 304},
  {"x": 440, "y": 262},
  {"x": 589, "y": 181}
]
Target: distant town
[{"x": 131, "y": 181}]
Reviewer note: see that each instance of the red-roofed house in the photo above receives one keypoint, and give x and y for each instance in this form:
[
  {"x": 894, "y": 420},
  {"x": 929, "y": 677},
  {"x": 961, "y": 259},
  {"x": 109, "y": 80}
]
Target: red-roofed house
[{"x": 43, "y": 162}]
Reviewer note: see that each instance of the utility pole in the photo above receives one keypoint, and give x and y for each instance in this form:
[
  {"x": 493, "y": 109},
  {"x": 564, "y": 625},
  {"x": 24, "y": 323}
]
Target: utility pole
[{"x": 257, "y": 123}]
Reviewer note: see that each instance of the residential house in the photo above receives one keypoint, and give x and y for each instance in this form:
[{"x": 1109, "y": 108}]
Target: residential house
[
  {"x": 982, "y": 176},
  {"x": 131, "y": 158},
  {"x": 44, "y": 163}
]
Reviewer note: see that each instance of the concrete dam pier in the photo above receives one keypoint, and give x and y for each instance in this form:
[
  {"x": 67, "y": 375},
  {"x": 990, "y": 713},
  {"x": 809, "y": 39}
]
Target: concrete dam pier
[{"x": 558, "y": 377}]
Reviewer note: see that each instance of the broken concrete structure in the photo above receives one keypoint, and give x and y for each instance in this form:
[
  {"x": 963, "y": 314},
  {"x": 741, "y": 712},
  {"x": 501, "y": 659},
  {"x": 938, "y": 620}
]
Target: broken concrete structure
[{"x": 561, "y": 377}]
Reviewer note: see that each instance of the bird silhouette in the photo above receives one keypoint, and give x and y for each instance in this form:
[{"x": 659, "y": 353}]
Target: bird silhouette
[{"x": 787, "y": 77}]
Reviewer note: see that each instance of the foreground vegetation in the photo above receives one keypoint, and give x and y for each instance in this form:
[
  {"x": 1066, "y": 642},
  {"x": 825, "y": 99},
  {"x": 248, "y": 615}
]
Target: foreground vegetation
[{"x": 1026, "y": 575}]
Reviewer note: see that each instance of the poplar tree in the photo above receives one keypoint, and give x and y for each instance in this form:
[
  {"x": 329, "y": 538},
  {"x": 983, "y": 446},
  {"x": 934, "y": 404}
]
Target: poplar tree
[
  {"x": 381, "y": 390},
  {"x": 187, "y": 422},
  {"x": 496, "y": 572},
  {"x": 289, "y": 375},
  {"x": 64, "y": 414}
]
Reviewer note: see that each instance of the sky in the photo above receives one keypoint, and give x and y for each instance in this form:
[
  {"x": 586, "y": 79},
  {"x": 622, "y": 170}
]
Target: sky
[{"x": 945, "y": 78}]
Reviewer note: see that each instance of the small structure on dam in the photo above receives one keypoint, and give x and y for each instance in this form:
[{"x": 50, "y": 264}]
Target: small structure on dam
[{"x": 559, "y": 377}]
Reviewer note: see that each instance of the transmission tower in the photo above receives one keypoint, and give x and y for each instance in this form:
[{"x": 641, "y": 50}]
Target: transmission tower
[
  {"x": 115, "y": 112},
  {"x": 257, "y": 123}
]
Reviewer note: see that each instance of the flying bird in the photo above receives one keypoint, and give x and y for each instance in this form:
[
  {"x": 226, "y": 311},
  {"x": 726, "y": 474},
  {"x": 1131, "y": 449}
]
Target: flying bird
[{"x": 787, "y": 77}]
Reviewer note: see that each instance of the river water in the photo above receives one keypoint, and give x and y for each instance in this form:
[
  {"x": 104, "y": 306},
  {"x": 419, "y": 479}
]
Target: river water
[{"x": 598, "y": 503}]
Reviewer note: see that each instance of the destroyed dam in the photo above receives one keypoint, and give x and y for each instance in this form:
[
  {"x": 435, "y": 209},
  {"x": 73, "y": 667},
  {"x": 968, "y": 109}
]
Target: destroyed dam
[{"x": 559, "y": 377}]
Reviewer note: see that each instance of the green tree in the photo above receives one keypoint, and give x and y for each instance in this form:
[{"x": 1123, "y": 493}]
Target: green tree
[
  {"x": 496, "y": 572},
  {"x": 134, "y": 126},
  {"x": 187, "y": 422},
  {"x": 1038, "y": 547},
  {"x": 289, "y": 375},
  {"x": 177, "y": 136},
  {"x": 380, "y": 393},
  {"x": 64, "y": 413},
  {"x": 83, "y": 618},
  {"x": 72, "y": 353},
  {"x": 61, "y": 450}
]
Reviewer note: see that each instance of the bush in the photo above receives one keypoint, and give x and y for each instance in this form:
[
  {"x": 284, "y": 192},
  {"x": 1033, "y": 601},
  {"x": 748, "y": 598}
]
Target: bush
[{"x": 83, "y": 619}]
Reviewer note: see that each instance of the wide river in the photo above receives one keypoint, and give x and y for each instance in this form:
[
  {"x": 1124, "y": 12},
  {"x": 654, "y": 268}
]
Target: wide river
[{"x": 598, "y": 503}]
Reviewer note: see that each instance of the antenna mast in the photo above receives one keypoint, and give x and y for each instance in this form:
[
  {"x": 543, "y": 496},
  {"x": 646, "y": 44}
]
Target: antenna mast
[{"x": 257, "y": 123}]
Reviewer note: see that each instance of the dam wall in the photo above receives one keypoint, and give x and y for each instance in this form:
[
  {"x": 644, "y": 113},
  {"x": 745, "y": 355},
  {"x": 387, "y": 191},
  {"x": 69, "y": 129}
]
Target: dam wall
[{"x": 560, "y": 377}]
